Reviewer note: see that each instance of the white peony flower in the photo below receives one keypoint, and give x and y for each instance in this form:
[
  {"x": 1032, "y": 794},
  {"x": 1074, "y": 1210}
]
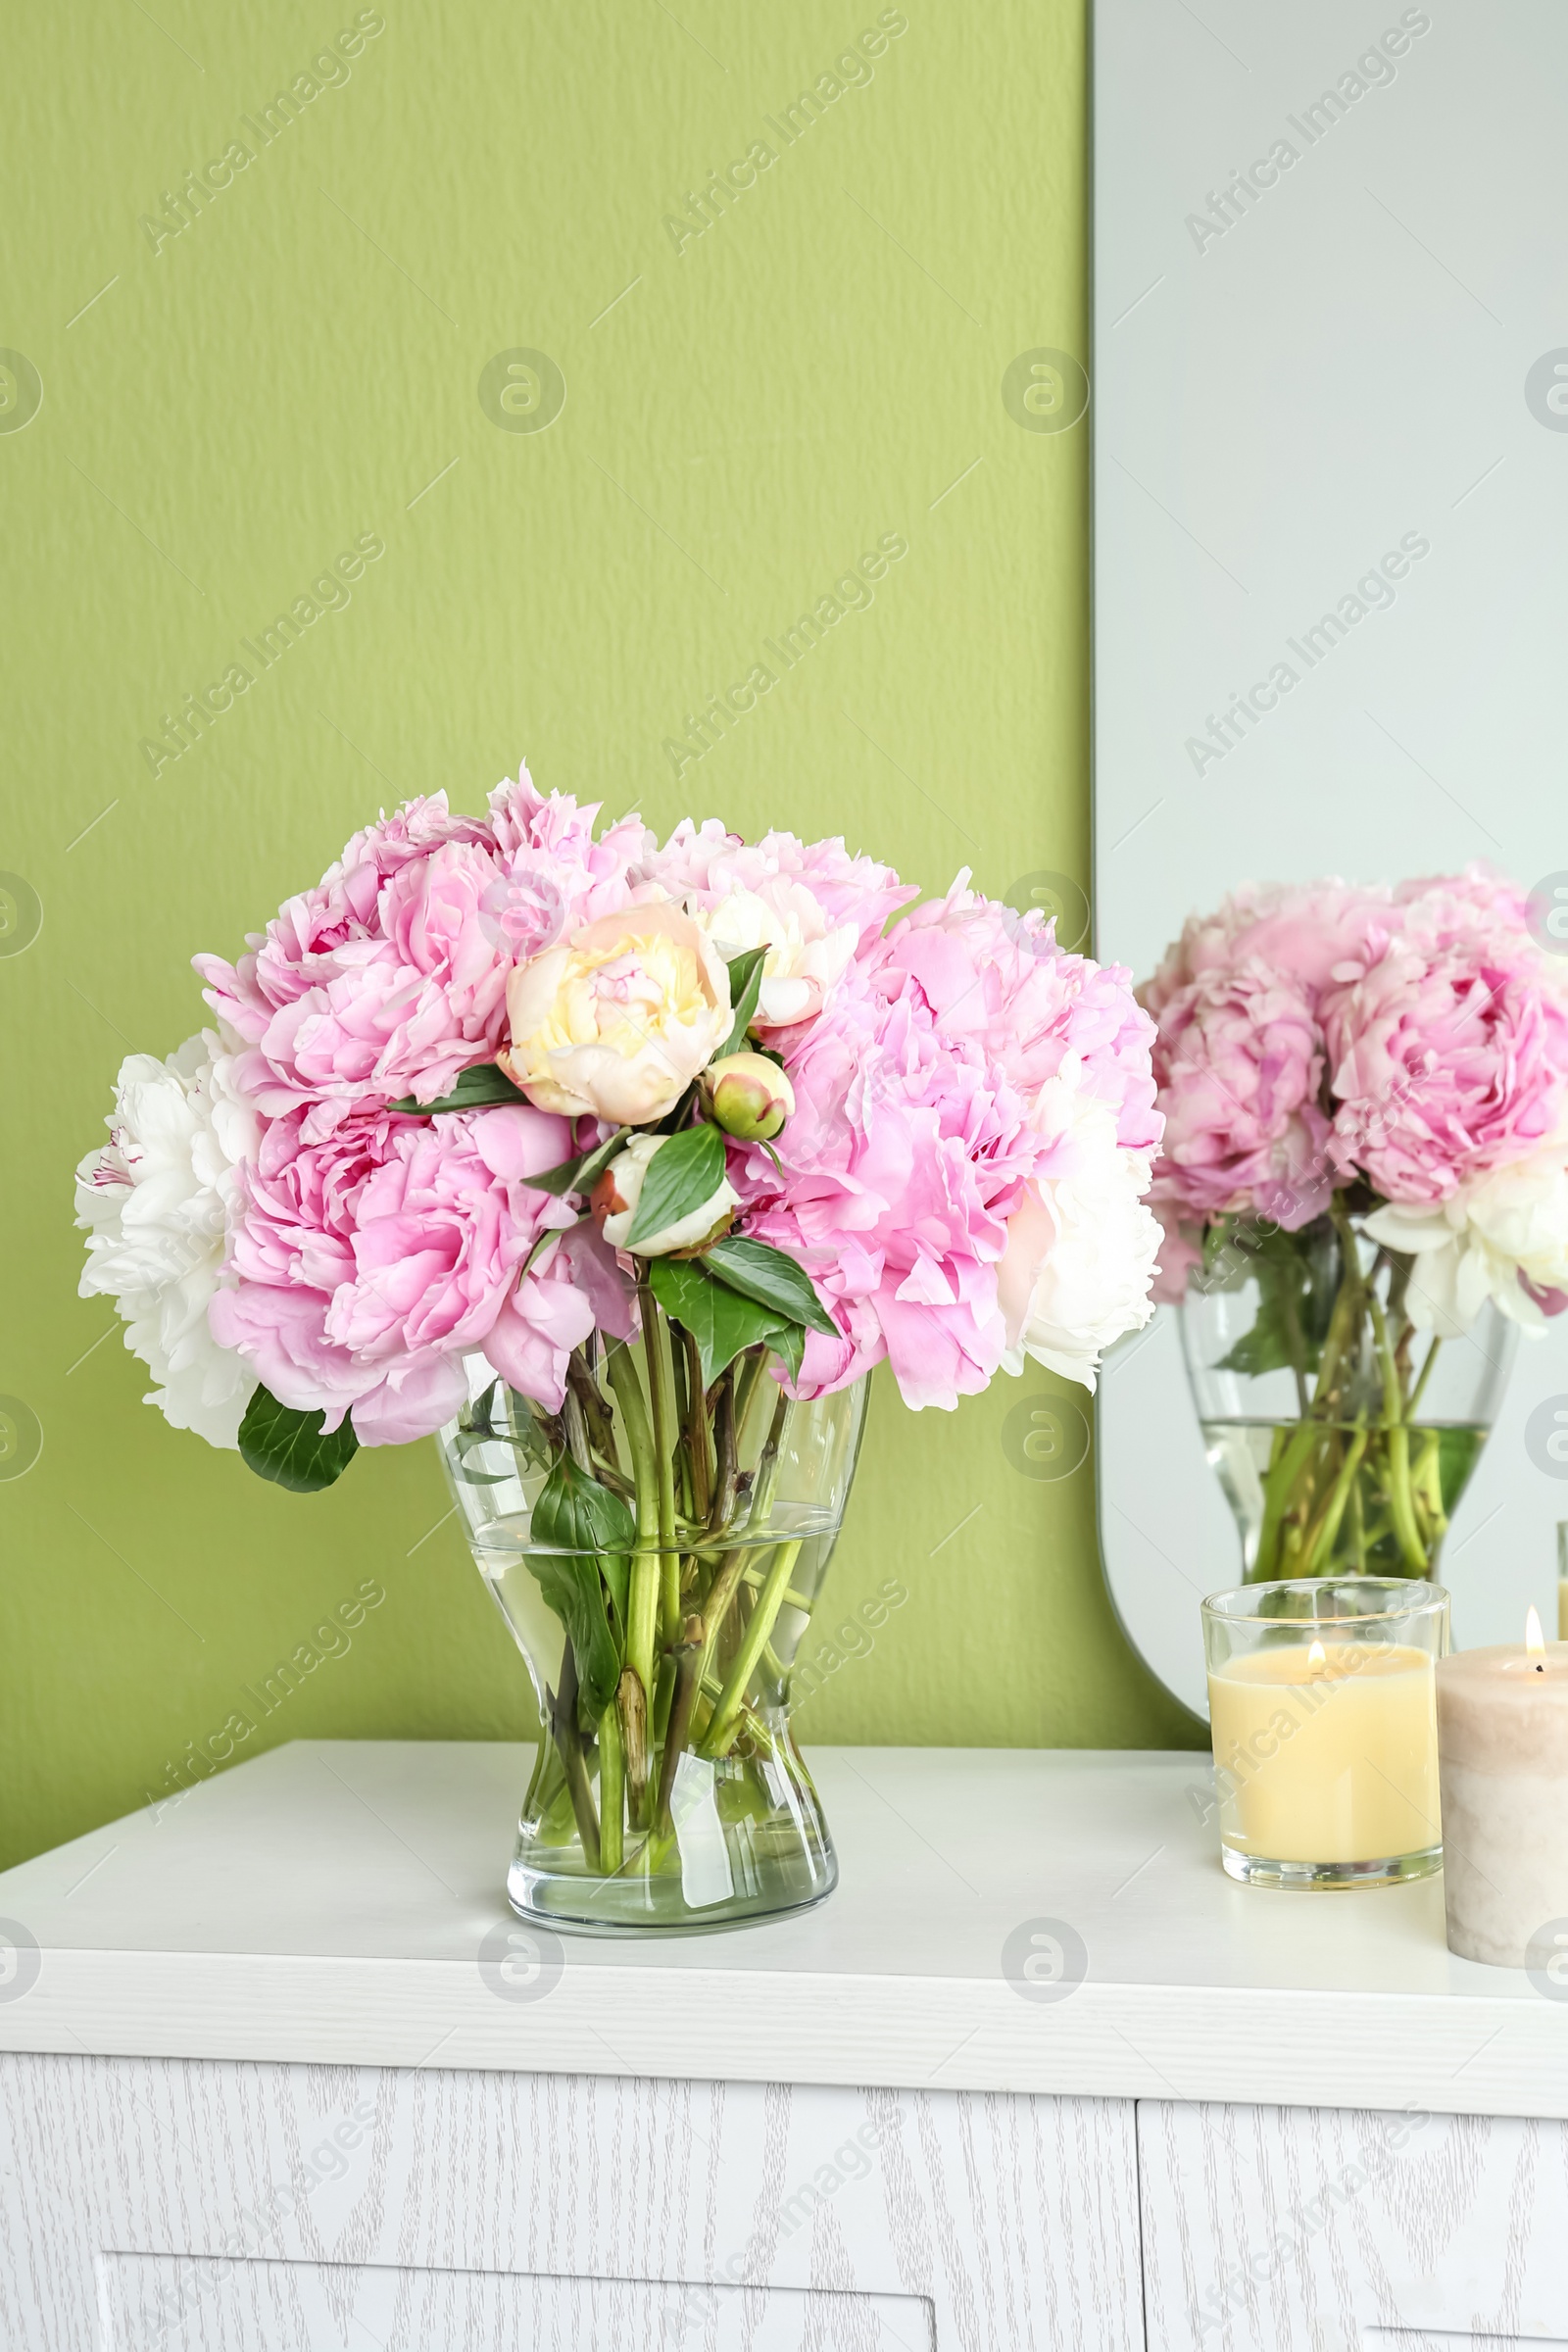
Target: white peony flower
[
  {"x": 804, "y": 954},
  {"x": 620, "y": 1187},
  {"x": 1511, "y": 1222},
  {"x": 1081, "y": 1249},
  {"x": 154, "y": 1203}
]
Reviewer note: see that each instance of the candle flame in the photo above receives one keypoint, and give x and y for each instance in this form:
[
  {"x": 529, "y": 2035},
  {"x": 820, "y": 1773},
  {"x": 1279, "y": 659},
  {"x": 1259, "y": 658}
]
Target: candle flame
[
  {"x": 1316, "y": 1656},
  {"x": 1534, "y": 1639}
]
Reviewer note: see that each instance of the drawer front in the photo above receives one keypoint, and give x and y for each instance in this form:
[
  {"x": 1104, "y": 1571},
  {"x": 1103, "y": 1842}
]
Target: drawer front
[
  {"x": 1326, "y": 2229},
  {"x": 153, "y": 2205},
  {"x": 178, "y": 2305}
]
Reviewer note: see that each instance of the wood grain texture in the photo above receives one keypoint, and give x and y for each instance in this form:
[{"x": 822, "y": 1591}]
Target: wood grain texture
[
  {"x": 170, "y": 2205},
  {"x": 329, "y": 2306},
  {"x": 1326, "y": 2229}
]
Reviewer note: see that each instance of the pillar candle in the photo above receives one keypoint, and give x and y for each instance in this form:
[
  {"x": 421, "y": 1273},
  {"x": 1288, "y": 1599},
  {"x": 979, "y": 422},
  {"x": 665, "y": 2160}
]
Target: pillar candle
[{"x": 1502, "y": 1743}]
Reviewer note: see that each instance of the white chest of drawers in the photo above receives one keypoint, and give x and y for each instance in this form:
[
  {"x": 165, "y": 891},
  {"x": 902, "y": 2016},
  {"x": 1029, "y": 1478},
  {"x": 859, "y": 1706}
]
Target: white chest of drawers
[{"x": 266, "y": 2088}]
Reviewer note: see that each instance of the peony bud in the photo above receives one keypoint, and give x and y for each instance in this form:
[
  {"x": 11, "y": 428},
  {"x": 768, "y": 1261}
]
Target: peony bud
[
  {"x": 750, "y": 1096},
  {"x": 613, "y": 1205}
]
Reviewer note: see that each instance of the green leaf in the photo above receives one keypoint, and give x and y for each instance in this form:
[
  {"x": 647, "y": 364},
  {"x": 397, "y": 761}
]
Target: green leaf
[
  {"x": 789, "y": 1341},
  {"x": 1295, "y": 1285},
  {"x": 582, "y": 1174},
  {"x": 745, "y": 987},
  {"x": 1266, "y": 1347},
  {"x": 760, "y": 1271},
  {"x": 477, "y": 1088},
  {"x": 291, "y": 1449},
  {"x": 591, "y": 1526},
  {"x": 683, "y": 1173},
  {"x": 721, "y": 1320},
  {"x": 575, "y": 1513}
]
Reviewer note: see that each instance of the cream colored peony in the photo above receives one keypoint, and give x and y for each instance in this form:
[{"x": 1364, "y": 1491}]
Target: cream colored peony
[
  {"x": 1081, "y": 1251},
  {"x": 154, "y": 1203},
  {"x": 618, "y": 1021},
  {"x": 804, "y": 956},
  {"x": 1511, "y": 1222}
]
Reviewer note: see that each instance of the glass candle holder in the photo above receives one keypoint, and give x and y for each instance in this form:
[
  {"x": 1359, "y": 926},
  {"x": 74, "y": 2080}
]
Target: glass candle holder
[{"x": 1322, "y": 1703}]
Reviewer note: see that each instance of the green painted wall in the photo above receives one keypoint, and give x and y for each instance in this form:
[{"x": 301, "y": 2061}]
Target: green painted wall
[{"x": 746, "y": 411}]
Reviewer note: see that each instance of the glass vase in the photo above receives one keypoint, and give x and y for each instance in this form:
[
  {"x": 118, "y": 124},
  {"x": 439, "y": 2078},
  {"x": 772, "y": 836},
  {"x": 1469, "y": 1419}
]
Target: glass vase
[
  {"x": 1343, "y": 1435},
  {"x": 660, "y": 1626}
]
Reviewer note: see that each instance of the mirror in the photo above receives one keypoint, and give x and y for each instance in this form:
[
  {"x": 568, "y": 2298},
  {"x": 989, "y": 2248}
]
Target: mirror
[{"x": 1331, "y": 440}]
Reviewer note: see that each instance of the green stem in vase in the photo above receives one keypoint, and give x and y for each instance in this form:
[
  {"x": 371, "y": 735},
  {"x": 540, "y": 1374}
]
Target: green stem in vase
[
  {"x": 1425, "y": 1374},
  {"x": 1426, "y": 1479},
  {"x": 685, "y": 1660},
  {"x": 769, "y": 1600},
  {"x": 662, "y": 1401},
  {"x": 545, "y": 1782},
  {"x": 574, "y": 1422},
  {"x": 753, "y": 1365},
  {"x": 725, "y": 1457},
  {"x": 766, "y": 1478},
  {"x": 1344, "y": 1338},
  {"x": 1319, "y": 1547},
  {"x": 1401, "y": 1507},
  {"x": 1358, "y": 1528},
  {"x": 612, "y": 1790},
  {"x": 1312, "y": 1478},
  {"x": 568, "y": 1740},
  {"x": 599, "y": 1421},
  {"x": 632, "y": 1707},
  {"x": 1278, "y": 1490},
  {"x": 791, "y": 1598},
  {"x": 1295, "y": 1344},
  {"x": 698, "y": 1454},
  {"x": 642, "y": 1603}
]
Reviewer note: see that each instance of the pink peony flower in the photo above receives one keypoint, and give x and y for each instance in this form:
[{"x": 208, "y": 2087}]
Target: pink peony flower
[
  {"x": 380, "y": 982},
  {"x": 1240, "y": 1066},
  {"x": 1448, "y": 1047},
  {"x": 1180, "y": 1251},
  {"x": 900, "y": 1165},
  {"x": 997, "y": 978},
  {"x": 1449, "y": 906},
  {"x": 555, "y": 876},
  {"x": 703, "y": 865},
  {"x": 931, "y": 1128},
  {"x": 368, "y": 1262},
  {"x": 390, "y": 976},
  {"x": 812, "y": 906},
  {"x": 1299, "y": 930}
]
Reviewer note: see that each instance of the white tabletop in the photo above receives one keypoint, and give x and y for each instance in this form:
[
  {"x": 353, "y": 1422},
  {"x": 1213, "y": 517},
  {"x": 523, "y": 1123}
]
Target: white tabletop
[{"x": 328, "y": 1902}]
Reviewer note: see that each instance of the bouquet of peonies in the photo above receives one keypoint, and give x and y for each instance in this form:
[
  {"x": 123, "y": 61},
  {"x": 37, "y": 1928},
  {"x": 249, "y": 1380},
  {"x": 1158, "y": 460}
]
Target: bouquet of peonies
[
  {"x": 619, "y": 1163},
  {"x": 497, "y": 1089},
  {"x": 1366, "y": 1140}
]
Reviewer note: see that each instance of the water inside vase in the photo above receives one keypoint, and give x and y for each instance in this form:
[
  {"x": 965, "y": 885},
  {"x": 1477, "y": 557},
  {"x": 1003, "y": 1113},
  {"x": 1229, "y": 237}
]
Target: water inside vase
[
  {"x": 1337, "y": 1515},
  {"x": 746, "y": 1834}
]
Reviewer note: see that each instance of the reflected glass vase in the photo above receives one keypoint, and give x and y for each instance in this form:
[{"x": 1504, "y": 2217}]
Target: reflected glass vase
[
  {"x": 1343, "y": 1435},
  {"x": 657, "y": 1549}
]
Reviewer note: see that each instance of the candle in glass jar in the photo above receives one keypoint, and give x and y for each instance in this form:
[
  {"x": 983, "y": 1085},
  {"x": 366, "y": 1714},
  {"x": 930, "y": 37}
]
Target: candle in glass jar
[
  {"x": 1326, "y": 1752},
  {"x": 1503, "y": 1743}
]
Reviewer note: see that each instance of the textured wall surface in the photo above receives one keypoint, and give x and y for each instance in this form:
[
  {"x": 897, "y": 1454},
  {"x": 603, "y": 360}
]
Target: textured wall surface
[{"x": 228, "y": 405}]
